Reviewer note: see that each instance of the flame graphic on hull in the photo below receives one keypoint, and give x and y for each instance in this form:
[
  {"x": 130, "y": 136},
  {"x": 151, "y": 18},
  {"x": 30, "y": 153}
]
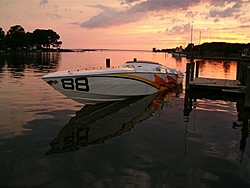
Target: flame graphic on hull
[{"x": 159, "y": 83}]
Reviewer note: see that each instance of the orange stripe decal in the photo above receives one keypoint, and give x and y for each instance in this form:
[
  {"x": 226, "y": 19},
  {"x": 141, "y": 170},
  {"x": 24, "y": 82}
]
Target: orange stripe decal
[{"x": 159, "y": 83}]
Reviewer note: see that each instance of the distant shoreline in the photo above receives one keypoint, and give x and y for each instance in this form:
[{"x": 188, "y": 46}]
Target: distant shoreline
[
  {"x": 71, "y": 50},
  {"x": 232, "y": 58},
  {"x": 221, "y": 58}
]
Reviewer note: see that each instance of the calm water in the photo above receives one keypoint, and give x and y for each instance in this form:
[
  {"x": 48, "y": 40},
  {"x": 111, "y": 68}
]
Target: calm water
[{"x": 48, "y": 140}]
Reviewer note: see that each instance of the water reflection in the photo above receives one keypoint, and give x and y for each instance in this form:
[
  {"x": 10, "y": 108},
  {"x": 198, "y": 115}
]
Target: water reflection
[
  {"x": 218, "y": 69},
  {"x": 178, "y": 59},
  {"x": 226, "y": 66},
  {"x": 2, "y": 63},
  {"x": 38, "y": 61},
  {"x": 95, "y": 124},
  {"x": 243, "y": 123}
]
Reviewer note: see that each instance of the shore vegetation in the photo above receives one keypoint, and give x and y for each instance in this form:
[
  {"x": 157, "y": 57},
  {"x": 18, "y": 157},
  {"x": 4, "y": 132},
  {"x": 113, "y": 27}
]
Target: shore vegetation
[
  {"x": 214, "y": 50},
  {"x": 16, "y": 39}
]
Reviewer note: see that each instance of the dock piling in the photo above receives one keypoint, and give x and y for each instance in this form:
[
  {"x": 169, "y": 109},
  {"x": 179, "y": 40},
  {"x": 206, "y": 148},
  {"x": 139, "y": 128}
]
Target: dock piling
[
  {"x": 107, "y": 63},
  {"x": 247, "y": 93},
  {"x": 188, "y": 69},
  {"x": 197, "y": 69},
  {"x": 192, "y": 71},
  {"x": 238, "y": 71}
]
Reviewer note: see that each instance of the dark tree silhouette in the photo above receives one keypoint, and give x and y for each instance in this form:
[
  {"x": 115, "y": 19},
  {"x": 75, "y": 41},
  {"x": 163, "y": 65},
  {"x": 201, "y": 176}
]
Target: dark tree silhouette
[
  {"x": 2, "y": 38},
  {"x": 46, "y": 38},
  {"x": 2, "y": 34},
  {"x": 15, "y": 37}
]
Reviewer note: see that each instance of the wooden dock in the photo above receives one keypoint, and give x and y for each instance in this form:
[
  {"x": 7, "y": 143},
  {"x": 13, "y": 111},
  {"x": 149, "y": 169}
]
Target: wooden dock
[
  {"x": 237, "y": 90},
  {"x": 218, "y": 84},
  {"x": 218, "y": 87}
]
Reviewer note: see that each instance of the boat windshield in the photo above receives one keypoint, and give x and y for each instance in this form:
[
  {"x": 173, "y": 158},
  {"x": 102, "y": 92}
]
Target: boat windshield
[
  {"x": 138, "y": 66},
  {"x": 128, "y": 66},
  {"x": 162, "y": 70}
]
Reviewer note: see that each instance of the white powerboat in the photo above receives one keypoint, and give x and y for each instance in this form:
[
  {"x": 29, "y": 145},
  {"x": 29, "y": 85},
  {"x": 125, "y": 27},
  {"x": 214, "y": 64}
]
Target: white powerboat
[
  {"x": 179, "y": 53},
  {"x": 134, "y": 78}
]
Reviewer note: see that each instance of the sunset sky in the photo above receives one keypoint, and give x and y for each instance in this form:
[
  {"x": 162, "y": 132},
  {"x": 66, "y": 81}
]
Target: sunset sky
[{"x": 132, "y": 24}]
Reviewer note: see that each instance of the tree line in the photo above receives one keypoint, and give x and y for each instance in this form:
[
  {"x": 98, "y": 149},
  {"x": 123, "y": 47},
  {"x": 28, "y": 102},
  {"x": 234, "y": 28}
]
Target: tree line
[
  {"x": 218, "y": 49},
  {"x": 212, "y": 49},
  {"x": 17, "y": 39}
]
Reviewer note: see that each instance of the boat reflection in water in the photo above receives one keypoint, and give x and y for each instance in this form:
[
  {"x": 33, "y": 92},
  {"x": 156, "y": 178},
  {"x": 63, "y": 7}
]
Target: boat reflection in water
[{"x": 94, "y": 124}]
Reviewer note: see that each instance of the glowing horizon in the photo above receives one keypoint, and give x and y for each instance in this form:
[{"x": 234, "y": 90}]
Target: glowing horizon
[{"x": 132, "y": 24}]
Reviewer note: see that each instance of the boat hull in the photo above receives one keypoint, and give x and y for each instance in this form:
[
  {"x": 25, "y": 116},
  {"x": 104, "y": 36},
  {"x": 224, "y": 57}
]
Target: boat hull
[
  {"x": 93, "y": 89},
  {"x": 179, "y": 54}
]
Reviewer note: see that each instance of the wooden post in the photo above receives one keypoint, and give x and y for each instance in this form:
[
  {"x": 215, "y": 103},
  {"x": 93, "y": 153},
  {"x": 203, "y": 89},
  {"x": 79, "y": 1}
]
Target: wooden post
[
  {"x": 238, "y": 71},
  {"x": 243, "y": 73},
  {"x": 192, "y": 71},
  {"x": 107, "y": 63},
  {"x": 188, "y": 68},
  {"x": 247, "y": 94},
  {"x": 197, "y": 69}
]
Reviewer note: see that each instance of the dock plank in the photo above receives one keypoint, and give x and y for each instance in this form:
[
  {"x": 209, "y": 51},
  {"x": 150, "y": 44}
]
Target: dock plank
[{"x": 213, "y": 82}]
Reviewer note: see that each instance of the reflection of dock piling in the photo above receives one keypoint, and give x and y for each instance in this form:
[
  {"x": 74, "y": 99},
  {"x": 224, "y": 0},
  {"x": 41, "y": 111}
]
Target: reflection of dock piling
[{"x": 238, "y": 88}]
